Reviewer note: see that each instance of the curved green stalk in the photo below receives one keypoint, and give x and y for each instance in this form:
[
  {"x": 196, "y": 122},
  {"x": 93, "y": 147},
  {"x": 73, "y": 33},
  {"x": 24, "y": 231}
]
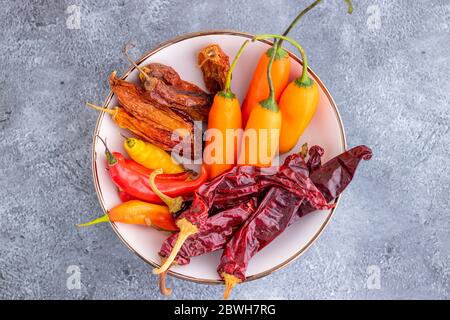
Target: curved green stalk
[
  {"x": 350, "y": 6},
  {"x": 304, "y": 80},
  {"x": 174, "y": 204},
  {"x": 297, "y": 18},
  {"x": 270, "y": 102},
  {"x": 305, "y": 11},
  {"x": 227, "y": 93},
  {"x": 101, "y": 219}
]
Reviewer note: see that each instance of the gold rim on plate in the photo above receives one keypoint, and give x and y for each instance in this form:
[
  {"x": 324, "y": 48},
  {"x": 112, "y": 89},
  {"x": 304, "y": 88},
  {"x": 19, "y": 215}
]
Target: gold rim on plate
[{"x": 110, "y": 96}]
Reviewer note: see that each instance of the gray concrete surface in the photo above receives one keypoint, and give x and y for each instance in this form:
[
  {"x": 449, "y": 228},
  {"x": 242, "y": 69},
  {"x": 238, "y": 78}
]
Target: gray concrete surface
[{"x": 389, "y": 76}]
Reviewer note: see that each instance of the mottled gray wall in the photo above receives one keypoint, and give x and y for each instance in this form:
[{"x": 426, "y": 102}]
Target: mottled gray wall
[{"x": 390, "y": 81}]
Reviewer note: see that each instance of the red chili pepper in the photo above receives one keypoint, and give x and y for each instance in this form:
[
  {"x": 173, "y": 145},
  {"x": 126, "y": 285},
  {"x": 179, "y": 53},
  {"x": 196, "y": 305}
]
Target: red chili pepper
[
  {"x": 213, "y": 236},
  {"x": 334, "y": 176},
  {"x": 279, "y": 209},
  {"x": 315, "y": 158},
  {"x": 239, "y": 183},
  {"x": 124, "y": 197},
  {"x": 136, "y": 183},
  {"x": 269, "y": 220},
  {"x": 182, "y": 176}
]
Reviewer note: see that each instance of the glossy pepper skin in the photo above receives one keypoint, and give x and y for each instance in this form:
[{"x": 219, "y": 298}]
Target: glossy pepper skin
[
  {"x": 182, "y": 176},
  {"x": 266, "y": 123},
  {"x": 151, "y": 156},
  {"x": 224, "y": 121},
  {"x": 259, "y": 143},
  {"x": 141, "y": 213},
  {"x": 258, "y": 89},
  {"x": 124, "y": 197},
  {"x": 298, "y": 103},
  {"x": 136, "y": 183},
  {"x": 225, "y": 114}
]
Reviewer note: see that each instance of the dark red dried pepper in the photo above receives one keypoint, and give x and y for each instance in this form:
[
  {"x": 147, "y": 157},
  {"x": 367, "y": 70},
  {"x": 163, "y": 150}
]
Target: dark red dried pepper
[
  {"x": 315, "y": 158},
  {"x": 334, "y": 176},
  {"x": 213, "y": 235},
  {"x": 269, "y": 220},
  {"x": 240, "y": 183},
  {"x": 280, "y": 208}
]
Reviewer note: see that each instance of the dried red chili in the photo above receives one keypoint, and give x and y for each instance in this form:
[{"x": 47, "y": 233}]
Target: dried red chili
[
  {"x": 315, "y": 158},
  {"x": 269, "y": 220},
  {"x": 240, "y": 183},
  {"x": 280, "y": 208},
  {"x": 334, "y": 176},
  {"x": 213, "y": 235}
]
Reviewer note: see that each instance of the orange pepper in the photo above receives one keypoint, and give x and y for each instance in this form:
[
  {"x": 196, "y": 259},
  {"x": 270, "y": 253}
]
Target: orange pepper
[
  {"x": 258, "y": 89},
  {"x": 261, "y": 136},
  {"x": 225, "y": 115},
  {"x": 138, "y": 212},
  {"x": 298, "y": 102}
]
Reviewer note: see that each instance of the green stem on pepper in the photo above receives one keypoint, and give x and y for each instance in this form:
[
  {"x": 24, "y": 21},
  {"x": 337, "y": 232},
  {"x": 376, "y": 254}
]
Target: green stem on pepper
[
  {"x": 270, "y": 102},
  {"x": 304, "y": 79},
  {"x": 174, "y": 204},
  {"x": 227, "y": 93}
]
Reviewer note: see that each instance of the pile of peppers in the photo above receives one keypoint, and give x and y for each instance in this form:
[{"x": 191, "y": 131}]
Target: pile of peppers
[
  {"x": 256, "y": 208},
  {"x": 146, "y": 193}
]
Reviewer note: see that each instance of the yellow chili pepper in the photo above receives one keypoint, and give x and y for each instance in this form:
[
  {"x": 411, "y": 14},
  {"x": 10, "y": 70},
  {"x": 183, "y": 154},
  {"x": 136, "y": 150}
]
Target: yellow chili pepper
[{"x": 151, "y": 156}]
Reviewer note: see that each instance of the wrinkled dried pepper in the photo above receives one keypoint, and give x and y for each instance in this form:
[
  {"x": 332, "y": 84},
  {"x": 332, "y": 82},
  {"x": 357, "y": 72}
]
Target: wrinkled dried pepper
[
  {"x": 215, "y": 65},
  {"x": 143, "y": 129},
  {"x": 164, "y": 87},
  {"x": 213, "y": 234},
  {"x": 334, "y": 176},
  {"x": 135, "y": 101},
  {"x": 241, "y": 182},
  {"x": 279, "y": 209}
]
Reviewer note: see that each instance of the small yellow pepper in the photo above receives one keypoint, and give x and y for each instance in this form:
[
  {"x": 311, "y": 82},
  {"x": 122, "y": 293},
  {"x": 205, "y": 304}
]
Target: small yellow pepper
[{"x": 151, "y": 156}]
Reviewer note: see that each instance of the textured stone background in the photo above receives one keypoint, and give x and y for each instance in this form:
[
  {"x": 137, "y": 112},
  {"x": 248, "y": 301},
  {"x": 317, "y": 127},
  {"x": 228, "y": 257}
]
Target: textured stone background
[{"x": 390, "y": 81}]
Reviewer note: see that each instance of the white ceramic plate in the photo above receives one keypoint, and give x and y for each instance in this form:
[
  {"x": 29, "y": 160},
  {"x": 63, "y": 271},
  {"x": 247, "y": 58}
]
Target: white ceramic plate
[{"x": 325, "y": 129}]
